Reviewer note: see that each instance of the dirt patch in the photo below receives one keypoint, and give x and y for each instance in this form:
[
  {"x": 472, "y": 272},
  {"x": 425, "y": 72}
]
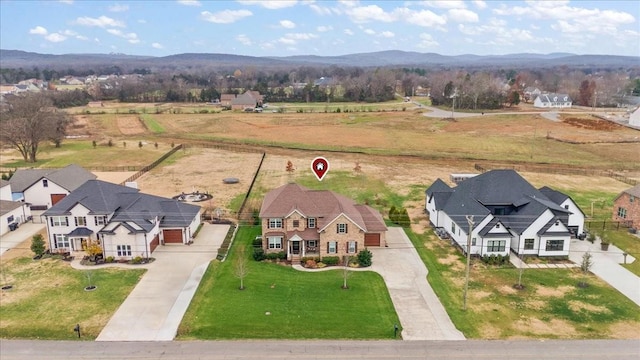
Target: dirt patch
[
  {"x": 578, "y": 306},
  {"x": 490, "y": 332},
  {"x": 535, "y": 304},
  {"x": 624, "y": 330},
  {"x": 504, "y": 289},
  {"x": 453, "y": 261},
  {"x": 478, "y": 294},
  {"x": 592, "y": 124},
  {"x": 553, "y": 329},
  {"x": 553, "y": 292},
  {"x": 130, "y": 125}
]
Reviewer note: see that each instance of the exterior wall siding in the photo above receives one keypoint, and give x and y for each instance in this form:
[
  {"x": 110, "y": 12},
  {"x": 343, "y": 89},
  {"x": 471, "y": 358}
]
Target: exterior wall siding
[
  {"x": 632, "y": 207},
  {"x": 38, "y": 195}
]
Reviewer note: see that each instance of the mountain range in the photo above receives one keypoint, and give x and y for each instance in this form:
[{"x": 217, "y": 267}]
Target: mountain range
[{"x": 391, "y": 58}]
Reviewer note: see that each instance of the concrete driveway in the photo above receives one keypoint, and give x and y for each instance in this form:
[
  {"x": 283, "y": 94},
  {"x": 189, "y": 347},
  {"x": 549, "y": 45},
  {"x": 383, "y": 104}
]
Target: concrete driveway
[
  {"x": 420, "y": 311},
  {"x": 24, "y": 232},
  {"x": 155, "y": 307}
]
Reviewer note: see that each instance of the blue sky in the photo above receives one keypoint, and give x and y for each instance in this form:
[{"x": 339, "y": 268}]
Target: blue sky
[{"x": 307, "y": 27}]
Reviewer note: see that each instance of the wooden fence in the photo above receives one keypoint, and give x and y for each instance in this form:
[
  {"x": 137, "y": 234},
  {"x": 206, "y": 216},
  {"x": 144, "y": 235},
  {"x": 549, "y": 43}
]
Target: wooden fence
[
  {"x": 147, "y": 168},
  {"x": 557, "y": 170}
]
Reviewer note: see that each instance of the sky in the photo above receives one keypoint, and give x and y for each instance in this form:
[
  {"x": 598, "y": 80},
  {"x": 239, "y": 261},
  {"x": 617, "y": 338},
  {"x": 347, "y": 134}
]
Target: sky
[{"x": 320, "y": 27}]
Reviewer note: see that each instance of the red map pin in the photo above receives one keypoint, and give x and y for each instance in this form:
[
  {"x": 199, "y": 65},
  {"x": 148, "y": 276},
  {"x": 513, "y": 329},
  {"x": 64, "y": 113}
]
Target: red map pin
[{"x": 320, "y": 166}]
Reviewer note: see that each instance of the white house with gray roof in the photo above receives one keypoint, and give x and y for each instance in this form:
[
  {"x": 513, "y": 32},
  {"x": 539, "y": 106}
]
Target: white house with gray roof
[
  {"x": 124, "y": 221},
  {"x": 12, "y": 213},
  {"x": 43, "y": 188},
  {"x": 552, "y": 100},
  {"x": 508, "y": 214}
]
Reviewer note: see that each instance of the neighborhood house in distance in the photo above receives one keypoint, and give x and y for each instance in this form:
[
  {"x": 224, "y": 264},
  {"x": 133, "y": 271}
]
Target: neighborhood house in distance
[
  {"x": 508, "y": 214},
  {"x": 304, "y": 223},
  {"x": 123, "y": 221},
  {"x": 626, "y": 207},
  {"x": 12, "y": 213}
]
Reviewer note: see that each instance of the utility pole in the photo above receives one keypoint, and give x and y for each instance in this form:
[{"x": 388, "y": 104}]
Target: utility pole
[{"x": 466, "y": 281}]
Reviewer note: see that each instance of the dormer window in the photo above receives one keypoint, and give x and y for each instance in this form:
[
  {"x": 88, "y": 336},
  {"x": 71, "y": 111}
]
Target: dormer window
[
  {"x": 497, "y": 226},
  {"x": 45, "y": 183},
  {"x": 311, "y": 223},
  {"x": 296, "y": 223}
]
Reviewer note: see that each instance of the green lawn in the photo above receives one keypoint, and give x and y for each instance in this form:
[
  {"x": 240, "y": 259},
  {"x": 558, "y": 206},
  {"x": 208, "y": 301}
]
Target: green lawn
[
  {"x": 550, "y": 306},
  {"x": 48, "y": 299},
  {"x": 301, "y": 305},
  {"x": 628, "y": 243}
]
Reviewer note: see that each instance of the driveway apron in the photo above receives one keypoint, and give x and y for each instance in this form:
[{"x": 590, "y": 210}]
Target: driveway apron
[
  {"x": 420, "y": 311},
  {"x": 155, "y": 307}
]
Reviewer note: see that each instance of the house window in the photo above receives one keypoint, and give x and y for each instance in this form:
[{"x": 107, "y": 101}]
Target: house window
[
  {"x": 275, "y": 242},
  {"x": 631, "y": 198},
  {"x": 311, "y": 245},
  {"x": 311, "y": 223},
  {"x": 342, "y": 228},
  {"x": 100, "y": 220},
  {"x": 124, "y": 250},
  {"x": 275, "y": 223},
  {"x": 59, "y": 221},
  {"x": 61, "y": 241},
  {"x": 453, "y": 228},
  {"x": 45, "y": 183},
  {"x": 352, "y": 247},
  {"x": 622, "y": 212},
  {"x": 555, "y": 245},
  {"x": 566, "y": 207},
  {"x": 296, "y": 223},
  {"x": 528, "y": 244},
  {"x": 10, "y": 219},
  {"x": 496, "y": 245},
  {"x": 80, "y": 221},
  {"x": 473, "y": 242},
  {"x": 332, "y": 247}
]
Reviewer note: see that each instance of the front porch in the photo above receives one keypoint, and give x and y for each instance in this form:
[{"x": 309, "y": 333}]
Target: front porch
[{"x": 297, "y": 248}]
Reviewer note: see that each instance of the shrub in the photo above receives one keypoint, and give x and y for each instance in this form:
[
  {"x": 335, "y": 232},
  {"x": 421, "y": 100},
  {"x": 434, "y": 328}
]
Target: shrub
[
  {"x": 110, "y": 259},
  {"x": 257, "y": 242},
  {"x": 331, "y": 260},
  {"x": 364, "y": 258},
  {"x": 37, "y": 245},
  {"x": 320, "y": 265},
  {"x": 136, "y": 260},
  {"x": 311, "y": 264},
  {"x": 307, "y": 258},
  {"x": 258, "y": 254}
]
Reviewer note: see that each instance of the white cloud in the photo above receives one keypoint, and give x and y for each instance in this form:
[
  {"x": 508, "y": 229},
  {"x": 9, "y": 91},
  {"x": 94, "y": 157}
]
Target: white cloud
[
  {"x": 189, "y": 2},
  {"x": 68, "y": 2},
  {"x": 38, "y": 30},
  {"x": 323, "y": 28},
  {"x": 293, "y": 38},
  {"x": 287, "y": 24},
  {"x": 118, "y": 8},
  {"x": 446, "y": 4},
  {"x": 71, "y": 33},
  {"x": 102, "y": 21},
  {"x": 387, "y": 34},
  {"x": 480, "y": 4},
  {"x": 424, "y": 18},
  {"x": 244, "y": 40},
  {"x": 369, "y": 32},
  {"x": 156, "y": 45},
  {"x": 320, "y": 10},
  {"x": 142, "y": 21},
  {"x": 427, "y": 41},
  {"x": 225, "y": 16},
  {"x": 348, "y": 32},
  {"x": 363, "y": 14},
  {"x": 55, "y": 37},
  {"x": 287, "y": 41},
  {"x": 270, "y": 4},
  {"x": 462, "y": 15},
  {"x": 130, "y": 37}
]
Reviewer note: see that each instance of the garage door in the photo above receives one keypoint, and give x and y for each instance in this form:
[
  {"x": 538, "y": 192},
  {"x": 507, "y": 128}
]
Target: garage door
[
  {"x": 172, "y": 236},
  {"x": 56, "y": 197},
  {"x": 371, "y": 239},
  {"x": 154, "y": 243}
]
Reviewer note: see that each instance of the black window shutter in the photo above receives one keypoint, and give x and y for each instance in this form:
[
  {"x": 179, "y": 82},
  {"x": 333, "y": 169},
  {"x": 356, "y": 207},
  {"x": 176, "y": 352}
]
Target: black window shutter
[
  {"x": 338, "y": 228},
  {"x": 346, "y": 228},
  {"x": 356, "y": 246},
  {"x": 75, "y": 220},
  {"x": 51, "y": 220},
  {"x": 66, "y": 220},
  {"x": 327, "y": 247}
]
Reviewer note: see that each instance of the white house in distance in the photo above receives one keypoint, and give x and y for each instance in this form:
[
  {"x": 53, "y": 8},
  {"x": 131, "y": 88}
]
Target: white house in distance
[
  {"x": 125, "y": 222},
  {"x": 12, "y": 213},
  {"x": 43, "y": 188},
  {"x": 552, "y": 100},
  {"x": 508, "y": 214},
  {"x": 634, "y": 118}
]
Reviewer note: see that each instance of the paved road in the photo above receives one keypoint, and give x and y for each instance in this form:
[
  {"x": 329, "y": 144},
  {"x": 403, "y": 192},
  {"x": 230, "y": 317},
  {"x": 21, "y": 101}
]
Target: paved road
[
  {"x": 313, "y": 349},
  {"x": 155, "y": 307},
  {"x": 420, "y": 311}
]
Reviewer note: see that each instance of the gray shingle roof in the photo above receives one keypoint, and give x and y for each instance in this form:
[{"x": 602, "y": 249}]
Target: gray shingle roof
[
  {"x": 127, "y": 205},
  {"x": 69, "y": 177},
  {"x": 635, "y": 191},
  {"x": 6, "y": 206}
]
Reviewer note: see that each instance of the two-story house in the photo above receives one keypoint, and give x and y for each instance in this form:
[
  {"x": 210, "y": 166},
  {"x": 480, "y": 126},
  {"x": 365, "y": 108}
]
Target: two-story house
[
  {"x": 43, "y": 188},
  {"x": 626, "y": 207},
  {"x": 124, "y": 221},
  {"x": 319, "y": 223},
  {"x": 505, "y": 213}
]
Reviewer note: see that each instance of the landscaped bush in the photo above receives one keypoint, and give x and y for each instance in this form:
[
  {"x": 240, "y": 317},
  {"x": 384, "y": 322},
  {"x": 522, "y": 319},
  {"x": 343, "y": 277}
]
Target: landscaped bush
[
  {"x": 276, "y": 256},
  {"x": 109, "y": 259},
  {"x": 257, "y": 243},
  {"x": 494, "y": 259},
  {"x": 311, "y": 264},
  {"x": 258, "y": 254},
  {"x": 364, "y": 258},
  {"x": 331, "y": 260},
  {"x": 307, "y": 258},
  {"x": 136, "y": 260}
]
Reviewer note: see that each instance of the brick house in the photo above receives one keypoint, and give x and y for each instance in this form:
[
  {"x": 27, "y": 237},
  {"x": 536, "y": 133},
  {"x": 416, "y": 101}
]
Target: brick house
[
  {"x": 303, "y": 222},
  {"x": 626, "y": 207}
]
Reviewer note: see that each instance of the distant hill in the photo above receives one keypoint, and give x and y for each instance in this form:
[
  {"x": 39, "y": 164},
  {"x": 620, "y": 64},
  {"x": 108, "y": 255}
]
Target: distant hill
[{"x": 394, "y": 58}]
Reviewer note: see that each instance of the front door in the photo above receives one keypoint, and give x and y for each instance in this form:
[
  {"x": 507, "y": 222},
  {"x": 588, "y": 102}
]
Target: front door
[{"x": 295, "y": 247}]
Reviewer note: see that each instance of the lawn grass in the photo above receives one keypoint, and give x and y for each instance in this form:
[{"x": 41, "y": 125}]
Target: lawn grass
[
  {"x": 302, "y": 305},
  {"x": 630, "y": 244},
  {"x": 152, "y": 124},
  {"x": 48, "y": 299},
  {"x": 550, "y": 306}
]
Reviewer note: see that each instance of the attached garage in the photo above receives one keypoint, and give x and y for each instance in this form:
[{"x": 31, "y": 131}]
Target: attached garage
[
  {"x": 371, "y": 239},
  {"x": 172, "y": 236},
  {"x": 154, "y": 243}
]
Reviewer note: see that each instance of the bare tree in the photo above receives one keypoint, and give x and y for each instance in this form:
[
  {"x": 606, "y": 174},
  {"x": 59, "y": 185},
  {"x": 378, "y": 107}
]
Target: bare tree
[
  {"x": 31, "y": 119},
  {"x": 346, "y": 272},
  {"x": 241, "y": 267},
  {"x": 585, "y": 267}
]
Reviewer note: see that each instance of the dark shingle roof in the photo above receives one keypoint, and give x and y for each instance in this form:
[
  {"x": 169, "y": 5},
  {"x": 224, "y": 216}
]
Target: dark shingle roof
[
  {"x": 127, "y": 204},
  {"x": 69, "y": 177}
]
